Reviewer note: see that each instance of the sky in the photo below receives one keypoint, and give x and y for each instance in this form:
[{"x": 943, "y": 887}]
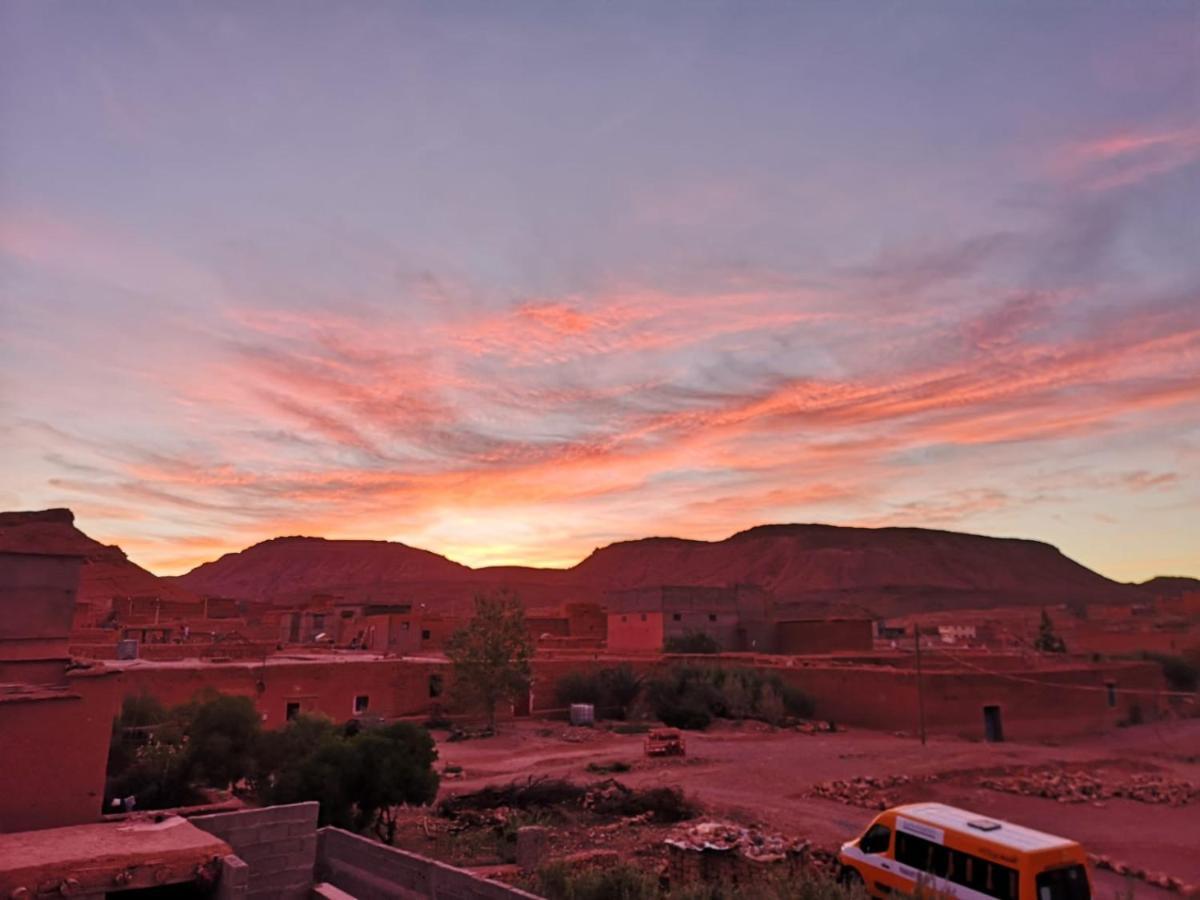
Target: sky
[{"x": 514, "y": 281}]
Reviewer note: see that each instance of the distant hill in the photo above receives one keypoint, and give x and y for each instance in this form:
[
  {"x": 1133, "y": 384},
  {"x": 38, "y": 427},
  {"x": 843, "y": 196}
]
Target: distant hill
[
  {"x": 106, "y": 572},
  {"x": 806, "y": 568},
  {"x": 1171, "y": 585}
]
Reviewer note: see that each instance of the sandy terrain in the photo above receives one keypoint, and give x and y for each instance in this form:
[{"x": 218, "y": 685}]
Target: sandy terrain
[{"x": 754, "y": 775}]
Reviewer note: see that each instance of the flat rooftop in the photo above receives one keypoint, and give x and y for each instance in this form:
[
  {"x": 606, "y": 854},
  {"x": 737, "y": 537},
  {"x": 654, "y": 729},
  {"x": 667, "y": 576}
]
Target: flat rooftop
[{"x": 154, "y": 852}]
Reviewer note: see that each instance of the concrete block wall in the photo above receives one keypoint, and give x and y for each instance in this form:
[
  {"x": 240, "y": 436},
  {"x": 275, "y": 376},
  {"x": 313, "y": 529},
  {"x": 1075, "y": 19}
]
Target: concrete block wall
[
  {"x": 278, "y": 843},
  {"x": 372, "y": 871}
]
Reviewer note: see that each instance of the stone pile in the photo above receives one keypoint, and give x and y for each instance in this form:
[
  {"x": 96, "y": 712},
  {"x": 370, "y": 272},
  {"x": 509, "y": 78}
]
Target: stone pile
[
  {"x": 1156, "y": 879},
  {"x": 866, "y": 791},
  {"x": 1084, "y": 787},
  {"x": 730, "y": 854}
]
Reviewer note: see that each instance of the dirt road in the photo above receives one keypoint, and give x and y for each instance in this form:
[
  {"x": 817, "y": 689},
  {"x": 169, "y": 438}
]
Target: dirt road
[{"x": 753, "y": 774}]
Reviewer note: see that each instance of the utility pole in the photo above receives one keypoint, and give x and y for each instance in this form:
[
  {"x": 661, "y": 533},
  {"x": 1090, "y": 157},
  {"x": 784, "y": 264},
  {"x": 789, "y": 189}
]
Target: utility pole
[{"x": 920, "y": 685}]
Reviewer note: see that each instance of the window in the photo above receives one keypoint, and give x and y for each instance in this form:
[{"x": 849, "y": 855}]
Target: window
[
  {"x": 970, "y": 871},
  {"x": 425, "y": 635},
  {"x": 435, "y": 685},
  {"x": 712, "y": 617},
  {"x": 318, "y": 622},
  {"x": 361, "y": 702},
  {"x": 1067, "y": 883},
  {"x": 676, "y": 616},
  {"x": 292, "y": 709},
  {"x": 1111, "y": 687},
  {"x": 643, "y": 617},
  {"x": 876, "y": 840}
]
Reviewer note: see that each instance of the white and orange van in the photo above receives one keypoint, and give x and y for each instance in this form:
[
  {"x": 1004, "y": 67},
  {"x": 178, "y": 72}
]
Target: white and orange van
[{"x": 956, "y": 853}]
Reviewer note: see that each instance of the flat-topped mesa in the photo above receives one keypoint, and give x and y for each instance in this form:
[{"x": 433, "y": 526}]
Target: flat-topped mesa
[
  {"x": 891, "y": 570},
  {"x": 56, "y": 516}
]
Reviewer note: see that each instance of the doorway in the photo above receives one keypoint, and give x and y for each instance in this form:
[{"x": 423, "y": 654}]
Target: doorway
[{"x": 993, "y": 726}]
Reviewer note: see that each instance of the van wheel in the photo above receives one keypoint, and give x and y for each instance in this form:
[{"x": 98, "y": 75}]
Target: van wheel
[{"x": 850, "y": 878}]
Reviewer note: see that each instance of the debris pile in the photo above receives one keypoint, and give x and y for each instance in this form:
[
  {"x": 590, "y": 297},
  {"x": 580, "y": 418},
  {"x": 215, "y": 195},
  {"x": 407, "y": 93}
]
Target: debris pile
[
  {"x": 1156, "y": 879},
  {"x": 1085, "y": 787},
  {"x": 726, "y": 853},
  {"x": 866, "y": 791}
]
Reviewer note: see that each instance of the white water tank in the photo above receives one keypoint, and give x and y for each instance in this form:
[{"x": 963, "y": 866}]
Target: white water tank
[{"x": 582, "y": 714}]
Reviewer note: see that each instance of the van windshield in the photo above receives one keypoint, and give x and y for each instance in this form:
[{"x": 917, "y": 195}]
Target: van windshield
[{"x": 1067, "y": 883}]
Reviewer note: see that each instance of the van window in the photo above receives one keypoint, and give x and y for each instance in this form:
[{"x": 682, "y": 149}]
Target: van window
[
  {"x": 1067, "y": 883},
  {"x": 971, "y": 871},
  {"x": 876, "y": 840}
]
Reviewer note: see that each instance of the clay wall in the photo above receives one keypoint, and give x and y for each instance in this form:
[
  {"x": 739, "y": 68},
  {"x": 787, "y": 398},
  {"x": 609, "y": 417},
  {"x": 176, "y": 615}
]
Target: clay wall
[
  {"x": 555, "y": 626},
  {"x": 587, "y": 620},
  {"x": 723, "y": 627},
  {"x": 1096, "y": 640},
  {"x": 801, "y": 636},
  {"x": 37, "y": 605},
  {"x": 1033, "y": 704},
  {"x": 635, "y": 632},
  {"x": 395, "y": 688},
  {"x": 53, "y": 753},
  {"x": 436, "y": 630}
]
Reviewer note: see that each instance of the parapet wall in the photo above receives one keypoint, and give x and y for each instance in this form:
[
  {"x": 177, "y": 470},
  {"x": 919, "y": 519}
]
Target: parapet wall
[
  {"x": 372, "y": 871},
  {"x": 278, "y": 843}
]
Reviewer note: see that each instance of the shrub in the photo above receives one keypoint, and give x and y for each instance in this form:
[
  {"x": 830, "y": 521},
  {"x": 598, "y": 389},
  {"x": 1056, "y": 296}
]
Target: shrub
[
  {"x": 1180, "y": 674},
  {"x": 579, "y": 687},
  {"x": 692, "y": 642},
  {"x": 609, "y": 768},
  {"x": 690, "y": 697},
  {"x": 621, "y": 688}
]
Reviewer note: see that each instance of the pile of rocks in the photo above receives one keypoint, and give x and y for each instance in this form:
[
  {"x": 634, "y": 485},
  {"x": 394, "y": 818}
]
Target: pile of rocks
[
  {"x": 1157, "y": 879},
  {"x": 1085, "y": 787},
  {"x": 866, "y": 791},
  {"x": 740, "y": 856}
]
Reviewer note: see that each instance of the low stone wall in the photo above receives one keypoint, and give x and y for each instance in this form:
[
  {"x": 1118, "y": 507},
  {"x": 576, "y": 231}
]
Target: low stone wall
[
  {"x": 278, "y": 843},
  {"x": 373, "y": 871}
]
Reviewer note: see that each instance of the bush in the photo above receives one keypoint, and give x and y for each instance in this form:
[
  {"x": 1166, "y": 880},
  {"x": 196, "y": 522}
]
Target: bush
[
  {"x": 609, "y": 768},
  {"x": 612, "y": 691},
  {"x": 692, "y": 642},
  {"x": 579, "y": 687},
  {"x": 690, "y": 697},
  {"x": 535, "y": 792},
  {"x": 1180, "y": 674}
]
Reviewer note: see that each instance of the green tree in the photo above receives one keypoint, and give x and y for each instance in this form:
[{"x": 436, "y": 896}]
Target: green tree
[
  {"x": 622, "y": 687},
  {"x": 491, "y": 654},
  {"x": 358, "y": 778},
  {"x": 1047, "y": 640},
  {"x": 222, "y": 737}
]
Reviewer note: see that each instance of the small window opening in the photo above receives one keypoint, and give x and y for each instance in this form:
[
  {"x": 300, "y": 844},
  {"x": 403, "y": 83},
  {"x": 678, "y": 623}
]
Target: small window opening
[
  {"x": 435, "y": 685},
  {"x": 361, "y": 702},
  {"x": 292, "y": 709}
]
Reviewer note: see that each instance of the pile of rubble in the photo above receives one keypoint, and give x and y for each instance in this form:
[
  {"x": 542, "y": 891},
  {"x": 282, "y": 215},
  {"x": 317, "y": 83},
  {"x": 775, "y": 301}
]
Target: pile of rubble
[
  {"x": 726, "y": 853},
  {"x": 1157, "y": 879},
  {"x": 1085, "y": 787},
  {"x": 865, "y": 791},
  {"x": 725, "y": 836}
]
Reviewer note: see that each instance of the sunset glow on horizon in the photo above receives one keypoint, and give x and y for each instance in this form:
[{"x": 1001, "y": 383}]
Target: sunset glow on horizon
[{"x": 513, "y": 282}]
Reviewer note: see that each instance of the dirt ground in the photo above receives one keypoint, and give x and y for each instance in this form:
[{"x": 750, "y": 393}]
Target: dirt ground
[{"x": 753, "y": 774}]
